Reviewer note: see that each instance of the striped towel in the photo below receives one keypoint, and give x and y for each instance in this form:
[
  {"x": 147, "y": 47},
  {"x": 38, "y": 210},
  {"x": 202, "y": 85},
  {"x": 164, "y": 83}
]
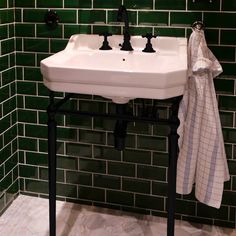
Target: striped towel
[{"x": 202, "y": 158}]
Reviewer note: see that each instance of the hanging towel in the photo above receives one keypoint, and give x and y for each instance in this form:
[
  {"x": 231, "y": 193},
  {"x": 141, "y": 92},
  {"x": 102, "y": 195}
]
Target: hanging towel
[{"x": 202, "y": 158}]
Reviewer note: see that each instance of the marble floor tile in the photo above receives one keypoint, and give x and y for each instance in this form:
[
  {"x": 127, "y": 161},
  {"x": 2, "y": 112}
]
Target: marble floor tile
[{"x": 28, "y": 216}]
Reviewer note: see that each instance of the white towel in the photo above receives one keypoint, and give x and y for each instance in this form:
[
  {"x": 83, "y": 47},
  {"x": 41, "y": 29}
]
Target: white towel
[{"x": 202, "y": 158}]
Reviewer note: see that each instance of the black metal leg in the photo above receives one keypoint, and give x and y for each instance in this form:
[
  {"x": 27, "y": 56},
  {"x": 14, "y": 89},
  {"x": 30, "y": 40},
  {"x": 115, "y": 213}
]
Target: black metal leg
[
  {"x": 173, "y": 154},
  {"x": 52, "y": 128}
]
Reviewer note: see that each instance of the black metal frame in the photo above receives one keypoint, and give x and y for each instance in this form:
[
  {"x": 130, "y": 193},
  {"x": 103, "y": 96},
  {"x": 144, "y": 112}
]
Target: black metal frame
[{"x": 55, "y": 108}]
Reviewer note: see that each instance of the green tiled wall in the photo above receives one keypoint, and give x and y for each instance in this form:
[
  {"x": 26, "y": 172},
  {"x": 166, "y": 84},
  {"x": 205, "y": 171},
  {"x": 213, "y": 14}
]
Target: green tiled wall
[
  {"x": 89, "y": 170},
  {"x": 8, "y": 114}
]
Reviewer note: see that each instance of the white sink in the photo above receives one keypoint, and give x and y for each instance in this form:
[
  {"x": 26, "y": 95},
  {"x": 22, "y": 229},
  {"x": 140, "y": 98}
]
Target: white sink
[{"x": 119, "y": 75}]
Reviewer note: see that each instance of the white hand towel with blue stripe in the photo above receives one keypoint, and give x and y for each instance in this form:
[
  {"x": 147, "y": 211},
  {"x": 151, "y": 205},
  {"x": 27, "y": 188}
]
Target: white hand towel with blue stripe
[{"x": 202, "y": 158}]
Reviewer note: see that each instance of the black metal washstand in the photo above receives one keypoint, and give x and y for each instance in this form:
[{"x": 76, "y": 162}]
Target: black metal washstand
[{"x": 55, "y": 107}]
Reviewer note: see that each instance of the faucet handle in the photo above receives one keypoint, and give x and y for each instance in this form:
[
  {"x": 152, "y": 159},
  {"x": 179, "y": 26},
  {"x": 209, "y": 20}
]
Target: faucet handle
[
  {"x": 148, "y": 47},
  {"x": 105, "y": 44},
  {"x": 149, "y": 36}
]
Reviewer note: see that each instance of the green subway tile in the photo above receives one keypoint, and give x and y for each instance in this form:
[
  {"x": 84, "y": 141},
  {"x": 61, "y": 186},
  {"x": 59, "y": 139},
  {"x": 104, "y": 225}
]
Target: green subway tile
[
  {"x": 159, "y": 188},
  {"x": 94, "y": 194},
  {"x": 3, "y": 31},
  {"x": 134, "y": 185},
  {"x": 4, "y": 62},
  {"x": 137, "y": 4},
  {"x": 212, "y": 36},
  {"x": 170, "y": 32},
  {"x": 170, "y": 5},
  {"x": 226, "y": 119},
  {"x": 229, "y": 198},
  {"x": 106, "y": 3},
  {"x": 28, "y": 144},
  {"x": 136, "y": 156},
  {"x": 65, "y": 162},
  {"x": 32, "y": 74},
  {"x": 43, "y": 31},
  {"x": 3, "y": 4},
  {"x": 5, "y": 153},
  {"x": 38, "y": 103},
  {"x": 107, "y": 153},
  {"x": 67, "y": 190},
  {"x": 112, "y": 17},
  {"x": 36, "y": 131},
  {"x": 160, "y": 159},
  {"x": 76, "y": 29},
  {"x": 25, "y": 59},
  {"x": 6, "y": 182},
  {"x": 1, "y": 172},
  {"x": 228, "y": 5},
  {"x": 150, "y": 172},
  {"x": 92, "y": 106},
  {"x": 228, "y": 68},
  {"x": 227, "y": 37},
  {"x": 24, "y": 3},
  {"x": 122, "y": 169},
  {"x": 24, "y": 87},
  {"x": 10, "y": 134},
  {"x": 43, "y": 174},
  {"x": 153, "y": 18},
  {"x": 91, "y": 16},
  {"x": 105, "y": 181},
  {"x": 28, "y": 171},
  {"x": 67, "y": 134},
  {"x": 229, "y": 135},
  {"x": 224, "y": 86},
  {"x": 204, "y": 5},
  {"x": 149, "y": 202},
  {"x": 210, "y": 212},
  {"x": 78, "y": 4},
  {"x": 232, "y": 167},
  {"x": 97, "y": 166},
  {"x": 227, "y": 103},
  {"x": 223, "y": 53},
  {"x": 102, "y": 124},
  {"x": 36, "y": 45},
  {"x": 185, "y": 207},
  {"x": 129, "y": 140},
  {"x": 74, "y": 177},
  {"x": 36, "y": 186},
  {"x": 52, "y": 3},
  {"x": 9, "y": 105},
  {"x": 139, "y": 128},
  {"x": 140, "y": 30},
  {"x": 82, "y": 122},
  {"x": 184, "y": 18},
  {"x": 7, "y": 16},
  {"x": 12, "y": 192},
  {"x": 36, "y": 158},
  {"x": 152, "y": 143},
  {"x": 97, "y": 29},
  {"x": 11, "y": 163},
  {"x": 92, "y": 137},
  {"x": 8, "y": 76},
  {"x": 4, "y": 93},
  {"x": 67, "y": 16},
  {"x": 5, "y": 123},
  {"x": 79, "y": 149},
  {"x": 7, "y": 46},
  {"x": 220, "y": 19},
  {"x": 33, "y": 15},
  {"x": 57, "y": 45},
  {"x": 121, "y": 198}
]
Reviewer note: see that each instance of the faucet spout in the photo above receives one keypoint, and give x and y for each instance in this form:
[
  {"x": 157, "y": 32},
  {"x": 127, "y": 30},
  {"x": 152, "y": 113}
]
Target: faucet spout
[{"x": 123, "y": 15}]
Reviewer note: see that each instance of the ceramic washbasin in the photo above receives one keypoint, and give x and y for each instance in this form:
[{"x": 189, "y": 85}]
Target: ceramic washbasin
[{"x": 119, "y": 75}]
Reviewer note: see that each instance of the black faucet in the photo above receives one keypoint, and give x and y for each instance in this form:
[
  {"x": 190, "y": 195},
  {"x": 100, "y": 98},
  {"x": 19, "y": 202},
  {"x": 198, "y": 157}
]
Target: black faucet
[{"x": 123, "y": 14}]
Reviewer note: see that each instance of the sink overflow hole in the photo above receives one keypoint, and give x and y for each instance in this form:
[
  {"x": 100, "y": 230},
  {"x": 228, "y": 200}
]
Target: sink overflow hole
[{"x": 123, "y": 59}]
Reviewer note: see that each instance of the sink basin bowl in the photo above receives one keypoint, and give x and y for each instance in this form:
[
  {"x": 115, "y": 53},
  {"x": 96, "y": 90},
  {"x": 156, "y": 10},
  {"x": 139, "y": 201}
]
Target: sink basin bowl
[{"x": 119, "y": 75}]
